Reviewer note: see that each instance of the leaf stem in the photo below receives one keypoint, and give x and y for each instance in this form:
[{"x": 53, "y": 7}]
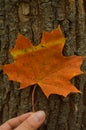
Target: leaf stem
[{"x": 33, "y": 100}]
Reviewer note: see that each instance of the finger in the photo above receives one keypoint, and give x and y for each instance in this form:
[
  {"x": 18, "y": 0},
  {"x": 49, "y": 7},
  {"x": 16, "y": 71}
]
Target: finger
[
  {"x": 13, "y": 123},
  {"x": 33, "y": 122}
]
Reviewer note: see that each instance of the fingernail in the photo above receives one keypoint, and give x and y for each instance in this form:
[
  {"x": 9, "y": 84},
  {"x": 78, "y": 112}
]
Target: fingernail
[{"x": 39, "y": 116}]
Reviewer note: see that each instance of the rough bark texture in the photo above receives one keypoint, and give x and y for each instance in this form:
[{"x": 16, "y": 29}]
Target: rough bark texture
[{"x": 31, "y": 17}]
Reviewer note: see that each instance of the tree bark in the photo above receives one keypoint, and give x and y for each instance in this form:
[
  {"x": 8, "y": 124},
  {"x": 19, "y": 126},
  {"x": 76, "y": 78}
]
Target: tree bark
[{"x": 31, "y": 18}]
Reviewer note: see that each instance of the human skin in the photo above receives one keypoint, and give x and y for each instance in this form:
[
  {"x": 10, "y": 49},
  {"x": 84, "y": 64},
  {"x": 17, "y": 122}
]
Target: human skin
[{"x": 28, "y": 121}]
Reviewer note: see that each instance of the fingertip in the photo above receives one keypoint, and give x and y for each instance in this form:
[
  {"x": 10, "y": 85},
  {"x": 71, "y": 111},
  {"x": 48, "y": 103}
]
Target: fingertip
[
  {"x": 39, "y": 116},
  {"x": 36, "y": 119}
]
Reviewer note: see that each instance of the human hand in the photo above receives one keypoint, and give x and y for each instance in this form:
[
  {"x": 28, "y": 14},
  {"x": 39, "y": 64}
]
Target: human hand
[{"x": 28, "y": 121}]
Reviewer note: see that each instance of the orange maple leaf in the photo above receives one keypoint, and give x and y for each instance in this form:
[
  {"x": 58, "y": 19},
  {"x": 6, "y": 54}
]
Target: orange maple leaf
[{"x": 44, "y": 64}]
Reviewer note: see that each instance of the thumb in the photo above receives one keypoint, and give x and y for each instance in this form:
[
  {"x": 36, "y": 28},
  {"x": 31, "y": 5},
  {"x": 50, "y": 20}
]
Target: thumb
[{"x": 33, "y": 122}]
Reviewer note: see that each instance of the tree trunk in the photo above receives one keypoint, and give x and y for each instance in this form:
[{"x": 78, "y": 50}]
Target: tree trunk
[{"x": 31, "y": 18}]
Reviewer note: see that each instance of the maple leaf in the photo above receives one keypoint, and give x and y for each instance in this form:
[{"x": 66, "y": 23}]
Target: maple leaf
[{"x": 44, "y": 64}]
